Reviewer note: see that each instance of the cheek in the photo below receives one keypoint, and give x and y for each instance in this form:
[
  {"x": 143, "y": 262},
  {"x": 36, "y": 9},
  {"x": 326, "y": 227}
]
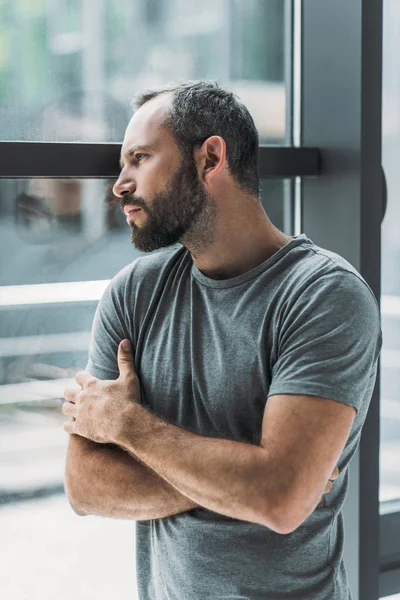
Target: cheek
[{"x": 151, "y": 182}]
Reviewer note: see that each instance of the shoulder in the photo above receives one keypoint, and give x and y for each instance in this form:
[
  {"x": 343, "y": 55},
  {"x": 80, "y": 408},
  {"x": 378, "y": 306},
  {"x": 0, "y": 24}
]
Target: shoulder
[
  {"x": 319, "y": 272},
  {"x": 143, "y": 271}
]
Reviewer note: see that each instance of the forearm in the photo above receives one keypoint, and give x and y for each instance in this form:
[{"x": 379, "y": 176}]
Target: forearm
[
  {"x": 107, "y": 481},
  {"x": 228, "y": 477}
]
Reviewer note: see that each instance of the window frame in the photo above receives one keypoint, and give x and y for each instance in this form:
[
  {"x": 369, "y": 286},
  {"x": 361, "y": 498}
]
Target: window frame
[
  {"x": 23, "y": 160},
  {"x": 342, "y": 210}
]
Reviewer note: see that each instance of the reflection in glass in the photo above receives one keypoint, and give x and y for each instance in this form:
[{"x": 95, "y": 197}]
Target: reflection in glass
[{"x": 60, "y": 242}]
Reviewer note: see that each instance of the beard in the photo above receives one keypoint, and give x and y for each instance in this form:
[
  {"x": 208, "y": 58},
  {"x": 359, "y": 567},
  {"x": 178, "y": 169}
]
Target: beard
[{"x": 184, "y": 212}]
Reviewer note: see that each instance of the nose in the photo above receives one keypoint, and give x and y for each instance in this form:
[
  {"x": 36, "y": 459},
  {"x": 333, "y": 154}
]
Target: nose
[{"x": 123, "y": 186}]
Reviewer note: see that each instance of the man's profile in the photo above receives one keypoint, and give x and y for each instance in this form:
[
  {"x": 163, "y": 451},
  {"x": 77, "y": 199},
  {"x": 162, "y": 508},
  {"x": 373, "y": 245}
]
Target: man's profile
[{"x": 256, "y": 353}]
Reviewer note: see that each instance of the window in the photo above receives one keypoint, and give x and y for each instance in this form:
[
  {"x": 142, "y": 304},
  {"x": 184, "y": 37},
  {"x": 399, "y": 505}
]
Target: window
[{"x": 68, "y": 70}]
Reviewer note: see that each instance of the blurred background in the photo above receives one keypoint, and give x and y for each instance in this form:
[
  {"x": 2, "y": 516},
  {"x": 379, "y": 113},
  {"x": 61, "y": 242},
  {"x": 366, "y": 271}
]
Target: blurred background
[{"x": 68, "y": 70}]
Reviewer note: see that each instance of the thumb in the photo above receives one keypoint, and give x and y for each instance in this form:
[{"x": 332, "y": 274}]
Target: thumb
[{"x": 125, "y": 358}]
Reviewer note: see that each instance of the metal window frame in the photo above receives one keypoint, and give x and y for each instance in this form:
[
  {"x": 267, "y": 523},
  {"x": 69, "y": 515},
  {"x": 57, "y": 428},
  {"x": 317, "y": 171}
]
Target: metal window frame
[
  {"x": 342, "y": 211},
  {"x": 23, "y": 160}
]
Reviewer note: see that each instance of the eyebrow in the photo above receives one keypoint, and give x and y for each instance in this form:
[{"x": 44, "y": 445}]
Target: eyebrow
[{"x": 129, "y": 153}]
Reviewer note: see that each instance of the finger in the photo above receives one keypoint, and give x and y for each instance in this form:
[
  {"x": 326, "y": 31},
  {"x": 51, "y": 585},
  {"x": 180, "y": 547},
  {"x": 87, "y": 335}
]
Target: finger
[
  {"x": 69, "y": 408},
  {"x": 335, "y": 473},
  {"x": 82, "y": 377},
  {"x": 70, "y": 394},
  {"x": 125, "y": 359},
  {"x": 69, "y": 426}
]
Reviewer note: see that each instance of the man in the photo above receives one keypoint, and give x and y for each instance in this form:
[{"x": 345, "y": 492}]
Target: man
[{"x": 247, "y": 379}]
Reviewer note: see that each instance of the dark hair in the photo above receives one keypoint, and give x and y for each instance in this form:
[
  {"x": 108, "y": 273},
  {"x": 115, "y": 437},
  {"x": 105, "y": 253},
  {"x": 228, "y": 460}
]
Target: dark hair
[{"x": 201, "y": 109}]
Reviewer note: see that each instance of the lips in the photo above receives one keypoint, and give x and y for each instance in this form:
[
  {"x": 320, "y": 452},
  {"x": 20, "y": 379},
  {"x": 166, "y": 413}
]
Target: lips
[{"x": 131, "y": 209}]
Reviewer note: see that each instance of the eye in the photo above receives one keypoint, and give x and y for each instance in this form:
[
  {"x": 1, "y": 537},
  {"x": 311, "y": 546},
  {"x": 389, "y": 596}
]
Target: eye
[{"x": 139, "y": 155}]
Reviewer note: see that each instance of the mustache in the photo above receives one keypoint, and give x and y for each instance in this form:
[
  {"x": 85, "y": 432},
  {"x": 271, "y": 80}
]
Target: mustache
[{"x": 139, "y": 202}]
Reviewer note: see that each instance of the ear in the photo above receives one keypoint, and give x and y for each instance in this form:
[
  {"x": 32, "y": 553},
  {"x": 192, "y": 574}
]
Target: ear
[{"x": 211, "y": 157}]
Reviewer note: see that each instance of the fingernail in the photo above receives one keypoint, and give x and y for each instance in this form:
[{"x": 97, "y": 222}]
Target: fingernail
[{"x": 126, "y": 345}]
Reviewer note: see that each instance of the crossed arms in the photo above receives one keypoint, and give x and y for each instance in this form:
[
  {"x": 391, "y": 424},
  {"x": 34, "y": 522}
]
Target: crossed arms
[
  {"x": 105, "y": 480},
  {"x": 330, "y": 345},
  {"x": 302, "y": 440}
]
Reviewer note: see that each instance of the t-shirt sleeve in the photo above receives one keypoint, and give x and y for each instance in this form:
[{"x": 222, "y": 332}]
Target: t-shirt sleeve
[
  {"x": 329, "y": 341},
  {"x": 109, "y": 327}
]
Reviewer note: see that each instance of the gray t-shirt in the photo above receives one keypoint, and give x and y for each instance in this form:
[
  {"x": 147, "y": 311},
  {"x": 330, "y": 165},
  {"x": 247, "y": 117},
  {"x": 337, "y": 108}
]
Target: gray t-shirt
[{"x": 208, "y": 354}]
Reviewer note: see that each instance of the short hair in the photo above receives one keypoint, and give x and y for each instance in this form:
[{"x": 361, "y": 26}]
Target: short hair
[{"x": 200, "y": 109}]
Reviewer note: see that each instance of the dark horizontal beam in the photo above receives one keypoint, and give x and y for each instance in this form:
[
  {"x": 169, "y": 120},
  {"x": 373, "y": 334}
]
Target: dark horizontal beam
[
  {"x": 58, "y": 159},
  {"x": 282, "y": 162},
  {"x": 20, "y": 160}
]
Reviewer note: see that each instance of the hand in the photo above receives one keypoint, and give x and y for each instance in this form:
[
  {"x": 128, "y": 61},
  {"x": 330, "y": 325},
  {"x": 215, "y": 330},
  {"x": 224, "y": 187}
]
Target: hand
[
  {"x": 99, "y": 408},
  {"x": 329, "y": 485}
]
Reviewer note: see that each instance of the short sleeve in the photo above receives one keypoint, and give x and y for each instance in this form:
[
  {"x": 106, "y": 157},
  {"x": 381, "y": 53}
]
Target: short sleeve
[
  {"x": 109, "y": 328},
  {"x": 329, "y": 341}
]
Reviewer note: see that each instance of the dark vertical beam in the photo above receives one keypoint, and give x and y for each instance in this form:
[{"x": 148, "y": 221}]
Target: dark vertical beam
[
  {"x": 370, "y": 267},
  {"x": 288, "y": 225},
  {"x": 341, "y": 114}
]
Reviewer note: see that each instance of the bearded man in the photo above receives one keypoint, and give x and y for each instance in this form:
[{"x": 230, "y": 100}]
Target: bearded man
[{"x": 250, "y": 362}]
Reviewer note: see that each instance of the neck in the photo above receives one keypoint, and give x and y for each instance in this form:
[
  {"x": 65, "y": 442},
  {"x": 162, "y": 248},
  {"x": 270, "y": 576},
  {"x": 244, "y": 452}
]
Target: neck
[{"x": 242, "y": 238}]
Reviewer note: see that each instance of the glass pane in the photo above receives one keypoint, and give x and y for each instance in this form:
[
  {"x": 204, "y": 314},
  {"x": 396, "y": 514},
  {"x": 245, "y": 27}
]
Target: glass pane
[
  {"x": 390, "y": 357},
  {"x": 59, "y": 246},
  {"x": 60, "y": 243},
  {"x": 68, "y": 69}
]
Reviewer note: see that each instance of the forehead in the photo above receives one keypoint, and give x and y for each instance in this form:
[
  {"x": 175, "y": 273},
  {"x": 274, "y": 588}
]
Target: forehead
[{"x": 147, "y": 124}]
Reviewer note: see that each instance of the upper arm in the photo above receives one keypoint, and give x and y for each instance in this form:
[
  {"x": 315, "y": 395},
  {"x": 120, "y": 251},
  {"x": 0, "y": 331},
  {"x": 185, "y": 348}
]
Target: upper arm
[
  {"x": 304, "y": 437},
  {"x": 108, "y": 329},
  {"x": 110, "y": 326},
  {"x": 329, "y": 343}
]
